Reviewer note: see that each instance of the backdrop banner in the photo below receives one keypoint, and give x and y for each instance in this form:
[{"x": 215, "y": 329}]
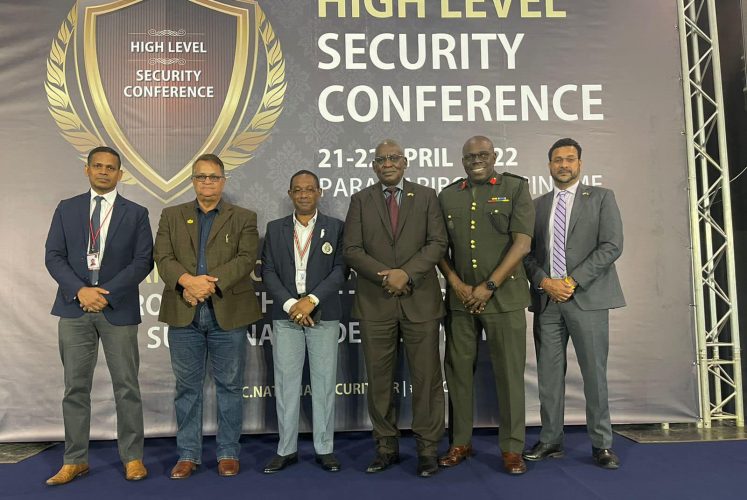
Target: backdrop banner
[{"x": 273, "y": 87}]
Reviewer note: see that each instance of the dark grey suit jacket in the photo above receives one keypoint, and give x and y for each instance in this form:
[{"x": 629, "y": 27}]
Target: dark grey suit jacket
[
  {"x": 370, "y": 247},
  {"x": 594, "y": 241}
]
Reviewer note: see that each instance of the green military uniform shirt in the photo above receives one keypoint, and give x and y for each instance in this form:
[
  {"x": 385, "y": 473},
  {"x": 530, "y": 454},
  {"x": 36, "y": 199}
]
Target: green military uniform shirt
[{"x": 480, "y": 219}]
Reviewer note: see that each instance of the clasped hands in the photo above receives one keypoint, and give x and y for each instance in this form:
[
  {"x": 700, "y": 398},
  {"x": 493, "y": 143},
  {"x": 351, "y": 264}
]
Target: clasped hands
[
  {"x": 91, "y": 298},
  {"x": 300, "y": 312},
  {"x": 474, "y": 298},
  {"x": 396, "y": 282},
  {"x": 559, "y": 289},
  {"x": 197, "y": 288}
]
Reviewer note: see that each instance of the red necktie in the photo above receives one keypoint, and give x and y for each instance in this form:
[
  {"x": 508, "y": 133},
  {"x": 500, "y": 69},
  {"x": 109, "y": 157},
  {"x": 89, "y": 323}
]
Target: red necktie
[{"x": 393, "y": 207}]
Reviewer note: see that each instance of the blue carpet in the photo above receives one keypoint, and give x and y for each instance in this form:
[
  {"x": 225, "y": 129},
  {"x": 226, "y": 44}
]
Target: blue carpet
[{"x": 649, "y": 471}]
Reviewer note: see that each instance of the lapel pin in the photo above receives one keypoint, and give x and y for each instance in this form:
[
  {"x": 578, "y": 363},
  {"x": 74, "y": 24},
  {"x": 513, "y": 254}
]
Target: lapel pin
[
  {"x": 321, "y": 235},
  {"x": 226, "y": 237},
  {"x": 190, "y": 221},
  {"x": 327, "y": 248},
  {"x": 585, "y": 193},
  {"x": 410, "y": 194}
]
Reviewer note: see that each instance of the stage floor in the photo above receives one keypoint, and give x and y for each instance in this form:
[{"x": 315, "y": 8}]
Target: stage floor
[{"x": 648, "y": 471}]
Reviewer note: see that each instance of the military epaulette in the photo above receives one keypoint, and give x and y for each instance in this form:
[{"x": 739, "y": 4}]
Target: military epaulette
[
  {"x": 509, "y": 174},
  {"x": 455, "y": 182}
]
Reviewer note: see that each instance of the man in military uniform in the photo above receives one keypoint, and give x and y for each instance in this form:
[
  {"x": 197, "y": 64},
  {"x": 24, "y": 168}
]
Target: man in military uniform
[{"x": 490, "y": 220}]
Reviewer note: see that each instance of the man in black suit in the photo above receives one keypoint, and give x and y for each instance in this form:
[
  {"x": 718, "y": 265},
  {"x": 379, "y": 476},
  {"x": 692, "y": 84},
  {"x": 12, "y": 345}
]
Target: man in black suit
[
  {"x": 577, "y": 239},
  {"x": 303, "y": 270},
  {"x": 99, "y": 248}
]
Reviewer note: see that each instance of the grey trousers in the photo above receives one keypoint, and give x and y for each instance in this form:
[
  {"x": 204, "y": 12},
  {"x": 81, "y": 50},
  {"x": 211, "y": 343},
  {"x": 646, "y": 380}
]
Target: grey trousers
[
  {"x": 79, "y": 344},
  {"x": 589, "y": 332},
  {"x": 289, "y": 345}
]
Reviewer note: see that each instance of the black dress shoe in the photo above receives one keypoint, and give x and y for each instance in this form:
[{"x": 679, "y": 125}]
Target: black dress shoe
[
  {"x": 328, "y": 462},
  {"x": 605, "y": 457},
  {"x": 280, "y": 462},
  {"x": 427, "y": 466},
  {"x": 383, "y": 461},
  {"x": 541, "y": 451}
]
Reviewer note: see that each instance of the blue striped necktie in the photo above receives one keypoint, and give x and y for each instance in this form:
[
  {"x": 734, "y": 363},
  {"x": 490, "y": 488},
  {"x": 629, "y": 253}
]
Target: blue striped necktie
[{"x": 558, "y": 269}]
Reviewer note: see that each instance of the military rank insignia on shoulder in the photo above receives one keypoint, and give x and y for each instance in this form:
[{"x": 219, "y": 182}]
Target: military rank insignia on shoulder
[
  {"x": 458, "y": 181},
  {"x": 509, "y": 174}
]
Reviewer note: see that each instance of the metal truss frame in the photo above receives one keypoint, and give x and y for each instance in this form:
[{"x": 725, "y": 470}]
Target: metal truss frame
[{"x": 714, "y": 279}]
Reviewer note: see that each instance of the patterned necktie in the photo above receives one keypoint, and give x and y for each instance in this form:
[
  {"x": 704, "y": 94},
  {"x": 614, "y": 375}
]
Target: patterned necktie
[
  {"x": 95, "y": 235},
  {"x": 393, "y": 207},
  {"x": 558, "y": 233}
]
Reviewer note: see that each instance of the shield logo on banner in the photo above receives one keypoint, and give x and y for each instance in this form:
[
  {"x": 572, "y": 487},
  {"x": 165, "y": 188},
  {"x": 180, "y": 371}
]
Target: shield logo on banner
[{"x": 164, "y": 82}]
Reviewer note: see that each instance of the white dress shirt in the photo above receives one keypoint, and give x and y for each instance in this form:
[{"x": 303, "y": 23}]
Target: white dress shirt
[
  {"x": 107, "y": 210},
  {"x": 302, "y": 235}
]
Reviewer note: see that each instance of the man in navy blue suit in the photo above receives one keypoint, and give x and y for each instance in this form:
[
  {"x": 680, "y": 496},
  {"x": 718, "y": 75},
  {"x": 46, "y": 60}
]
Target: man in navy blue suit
[
  {"x": 99, "y": 248},
  {"x": 303, "y": 270}
]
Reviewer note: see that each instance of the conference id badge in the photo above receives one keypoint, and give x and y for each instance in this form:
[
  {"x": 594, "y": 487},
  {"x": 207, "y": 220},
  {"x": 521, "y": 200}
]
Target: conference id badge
[{"x": 94, "y": 264}]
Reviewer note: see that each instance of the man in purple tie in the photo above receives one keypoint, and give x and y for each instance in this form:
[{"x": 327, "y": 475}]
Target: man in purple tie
[{"x": 577, "y": 239}]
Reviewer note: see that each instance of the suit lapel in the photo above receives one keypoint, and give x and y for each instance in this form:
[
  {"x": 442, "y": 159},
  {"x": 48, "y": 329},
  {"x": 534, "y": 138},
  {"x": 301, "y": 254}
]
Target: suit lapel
[
  {"x": 316, "y": 238},
  {"x": 405, "y": 207},
  {"x": 579, "y": 204},
  {"x": 377, "y": 198},
  {"x": 288, "y": 231},
  {"x": 224, "y": 214},
  {"x": 84, "y": 214},
  {"x": 190, "y": 214},
  {"x": 118, "y": 212}
]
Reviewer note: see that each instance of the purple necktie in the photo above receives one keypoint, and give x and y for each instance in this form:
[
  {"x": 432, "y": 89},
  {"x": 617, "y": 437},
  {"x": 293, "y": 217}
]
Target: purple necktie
[
  {"x": 393, "y": 207},
  {"x": 557, "y": 269}
]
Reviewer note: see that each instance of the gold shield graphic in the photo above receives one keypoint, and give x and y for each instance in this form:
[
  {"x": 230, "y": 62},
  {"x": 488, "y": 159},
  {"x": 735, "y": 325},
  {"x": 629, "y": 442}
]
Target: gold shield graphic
[{"x": 150, "y": 134}]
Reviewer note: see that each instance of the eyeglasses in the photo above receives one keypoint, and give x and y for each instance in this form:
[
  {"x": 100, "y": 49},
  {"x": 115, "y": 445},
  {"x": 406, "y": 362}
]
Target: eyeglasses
[
  {"x": 98, "y": 166},
  {"x": 482, "y": 156},
  {"x": 204, "y": 178},
  {"x": 298, "y": 191},
  {"x": 560, "y": 160},
  {"x": 380, "y": 160}
]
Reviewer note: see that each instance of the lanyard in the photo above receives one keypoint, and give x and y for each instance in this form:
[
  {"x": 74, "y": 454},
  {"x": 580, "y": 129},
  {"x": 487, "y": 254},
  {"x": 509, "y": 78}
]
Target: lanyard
[
  {"x": 94, "y": 237},
  {"x": 302, "y": 252}
]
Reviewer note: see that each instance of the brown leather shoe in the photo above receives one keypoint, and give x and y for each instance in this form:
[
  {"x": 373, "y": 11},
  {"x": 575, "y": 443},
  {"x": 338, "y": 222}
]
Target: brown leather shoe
[
  {"x": 67, "y": 473},
  {"x": 228, "y": 467},
  {"x": 513, "y": 463},
  {"x": 455, "y": 455},
  {"x": 183, "y": 469},
  {"x": 135, "y": 470}
]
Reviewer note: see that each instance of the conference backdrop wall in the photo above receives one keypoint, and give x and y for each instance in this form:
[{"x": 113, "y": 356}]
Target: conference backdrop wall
[{"x": 277, "y": 86}]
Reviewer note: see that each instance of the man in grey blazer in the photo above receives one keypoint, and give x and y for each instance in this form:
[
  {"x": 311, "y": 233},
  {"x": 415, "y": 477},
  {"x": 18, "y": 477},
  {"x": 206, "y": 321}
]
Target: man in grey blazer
[{"x": 578, "y": 236}]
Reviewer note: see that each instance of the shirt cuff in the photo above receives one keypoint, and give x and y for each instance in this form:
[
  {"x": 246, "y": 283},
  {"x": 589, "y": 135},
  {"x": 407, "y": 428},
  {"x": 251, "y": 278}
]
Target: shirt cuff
[
  {"x": 288, "y": 304},
  {"x": 316, "y": 299}
]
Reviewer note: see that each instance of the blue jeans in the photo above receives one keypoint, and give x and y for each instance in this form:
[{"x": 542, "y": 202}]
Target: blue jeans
[{"x": 190, "y": 347}]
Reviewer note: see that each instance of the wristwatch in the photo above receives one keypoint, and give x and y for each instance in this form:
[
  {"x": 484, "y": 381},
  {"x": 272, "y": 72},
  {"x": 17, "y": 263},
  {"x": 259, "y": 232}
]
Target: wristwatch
[
  {"x": 313, "y": 301},
  {"x": 491, "y": 285}
]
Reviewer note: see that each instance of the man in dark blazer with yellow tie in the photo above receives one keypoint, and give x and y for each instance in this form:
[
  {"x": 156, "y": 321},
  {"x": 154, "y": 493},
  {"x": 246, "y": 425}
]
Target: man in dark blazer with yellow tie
[
  {"x": 205, "y": 251},
  {"x": 571, "y": 267},
  {"x": 394, "y": 237}
]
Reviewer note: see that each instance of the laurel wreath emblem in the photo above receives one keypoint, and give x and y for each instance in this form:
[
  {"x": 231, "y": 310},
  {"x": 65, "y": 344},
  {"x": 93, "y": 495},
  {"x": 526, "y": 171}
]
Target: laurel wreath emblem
[{"x": 84, "y": 136}]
